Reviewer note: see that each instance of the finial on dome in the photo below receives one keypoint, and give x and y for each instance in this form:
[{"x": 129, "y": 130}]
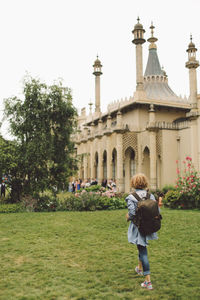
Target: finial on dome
[
  {"x": 152, "y": 28},
  {"x": 152, "y": 39},
  {"x": 191, "y": 45}
]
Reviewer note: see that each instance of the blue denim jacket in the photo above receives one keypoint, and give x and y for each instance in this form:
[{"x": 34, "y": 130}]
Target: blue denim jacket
[{"x": 134, "y": 236}]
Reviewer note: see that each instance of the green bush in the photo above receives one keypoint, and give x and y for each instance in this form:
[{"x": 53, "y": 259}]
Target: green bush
[
  {"x": 175, "y": 199},
  {"x": 172, "y": 199},
  {"x": 92, "y": 188},
  {"x": 95, "y": 198},
  {"x": 89, "y": 202},
  {"x": 167, "y": 188},
  {"x": 46, "y": 203},
  {"x": 11, "y": 208}
]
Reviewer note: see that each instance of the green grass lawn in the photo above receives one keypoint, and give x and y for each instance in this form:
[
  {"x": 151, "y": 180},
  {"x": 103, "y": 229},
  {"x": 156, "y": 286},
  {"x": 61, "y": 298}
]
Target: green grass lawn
[{"x": 85, "y": 255}]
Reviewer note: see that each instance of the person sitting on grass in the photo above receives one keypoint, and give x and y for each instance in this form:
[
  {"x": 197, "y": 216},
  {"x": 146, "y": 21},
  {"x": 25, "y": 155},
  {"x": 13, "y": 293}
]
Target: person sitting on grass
[{"x": 139, "y": 183}]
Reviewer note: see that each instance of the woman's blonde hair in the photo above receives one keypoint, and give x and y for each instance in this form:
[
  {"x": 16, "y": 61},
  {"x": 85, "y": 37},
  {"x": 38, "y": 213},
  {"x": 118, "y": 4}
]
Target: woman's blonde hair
[{"x": 139, "y": 181}]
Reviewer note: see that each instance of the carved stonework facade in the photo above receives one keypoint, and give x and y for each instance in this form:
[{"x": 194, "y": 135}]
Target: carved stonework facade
[{"x": 146, "y": 133}]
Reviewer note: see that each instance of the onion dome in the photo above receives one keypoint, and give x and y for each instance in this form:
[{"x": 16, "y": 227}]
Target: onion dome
[
  {"x": 138, "y": 33},
  {"x": 191, "y": 45},
  {"x": 138, "y": 25}
]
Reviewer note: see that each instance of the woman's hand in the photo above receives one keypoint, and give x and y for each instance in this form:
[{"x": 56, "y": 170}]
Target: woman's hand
[{"x": 127, "y": 217}]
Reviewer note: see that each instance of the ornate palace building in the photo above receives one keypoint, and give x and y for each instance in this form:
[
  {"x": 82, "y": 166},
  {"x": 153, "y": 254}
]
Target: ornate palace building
[{"x": 147, "y": 133}]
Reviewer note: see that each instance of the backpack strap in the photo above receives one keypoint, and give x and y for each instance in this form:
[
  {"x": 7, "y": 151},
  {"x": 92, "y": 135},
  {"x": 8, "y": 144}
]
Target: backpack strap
[
  {"x": 137, "y": 196},
  {"x": 148, "y": 195}
]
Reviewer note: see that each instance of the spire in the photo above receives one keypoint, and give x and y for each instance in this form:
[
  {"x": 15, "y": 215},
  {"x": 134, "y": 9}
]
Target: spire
[
  {"x": 153, "y": 64},
  {"x": 155, "y": 79}
]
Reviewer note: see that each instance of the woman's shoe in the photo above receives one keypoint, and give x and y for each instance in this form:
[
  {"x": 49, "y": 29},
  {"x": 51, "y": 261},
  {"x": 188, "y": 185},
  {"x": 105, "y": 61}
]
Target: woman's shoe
[
  {"x": 139, "y": 272},
  {"x": 147, "y": 285}
]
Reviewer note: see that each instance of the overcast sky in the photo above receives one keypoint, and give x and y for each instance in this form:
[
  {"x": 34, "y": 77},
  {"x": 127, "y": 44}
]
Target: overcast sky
[{"x": 53, "y": 39}]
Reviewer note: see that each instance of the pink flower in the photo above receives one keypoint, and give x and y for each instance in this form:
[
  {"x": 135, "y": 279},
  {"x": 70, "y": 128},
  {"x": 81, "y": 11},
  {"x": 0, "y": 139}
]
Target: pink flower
[{"x": 188, "y": 158}]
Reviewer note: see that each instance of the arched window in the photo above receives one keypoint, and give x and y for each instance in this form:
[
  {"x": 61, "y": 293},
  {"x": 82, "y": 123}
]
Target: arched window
[{"x": 114, "y": 164}]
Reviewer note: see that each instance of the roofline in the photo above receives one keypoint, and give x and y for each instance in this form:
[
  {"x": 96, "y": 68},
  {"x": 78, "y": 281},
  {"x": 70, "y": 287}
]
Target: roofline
[{"x": 158, "y": 103}]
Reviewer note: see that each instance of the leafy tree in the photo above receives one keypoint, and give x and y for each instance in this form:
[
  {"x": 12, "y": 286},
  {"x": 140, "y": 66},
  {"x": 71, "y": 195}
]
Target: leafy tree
[
  {"x": 9, "y": 166},
  {"x": 42, "y": 124}
]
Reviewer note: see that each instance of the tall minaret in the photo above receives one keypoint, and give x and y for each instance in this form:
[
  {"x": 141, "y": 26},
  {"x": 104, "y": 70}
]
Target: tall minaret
[
  {"x": 138, "y": 32},
  {"x": 192, "y": 64},
  {"x": 97, "y": 72}
]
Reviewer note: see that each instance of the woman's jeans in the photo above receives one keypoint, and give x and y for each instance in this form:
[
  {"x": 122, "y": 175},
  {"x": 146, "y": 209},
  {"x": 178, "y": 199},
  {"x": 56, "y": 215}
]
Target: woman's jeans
[{"x": 143, "y": 257}]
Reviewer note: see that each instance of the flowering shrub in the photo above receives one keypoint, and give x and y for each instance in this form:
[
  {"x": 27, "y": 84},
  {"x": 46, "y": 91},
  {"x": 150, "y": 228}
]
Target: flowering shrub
[
  {"x": 187, "y": 188},
  {"x": 92, "y": 198}
]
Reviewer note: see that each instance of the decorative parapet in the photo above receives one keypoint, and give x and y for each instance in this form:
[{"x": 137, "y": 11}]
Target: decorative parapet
[
  {"x": 96, "y": 133},
  {"x": 167, "y": 125},
  {"x": 119, "y": 104}
]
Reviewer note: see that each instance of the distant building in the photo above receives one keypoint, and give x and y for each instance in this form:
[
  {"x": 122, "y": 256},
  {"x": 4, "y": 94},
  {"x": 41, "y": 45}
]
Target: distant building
[{"x": 147, "y": 133}]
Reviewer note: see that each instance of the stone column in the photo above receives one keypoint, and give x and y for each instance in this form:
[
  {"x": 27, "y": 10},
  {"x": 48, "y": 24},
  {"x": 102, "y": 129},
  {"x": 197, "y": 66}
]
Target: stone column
[
  {"x": 194, "y": 141},
  {"x": 139, "y": 68},
  {"x": 152, "y": 142},
  {"x": 97, "y": 93},
  {"x": 139, "y": 162},
  {"x": 85, "y": 166},
  {"x": 109, "y": 158},
  {"x": 100, "y": 163},
  {"x": 92, "y": 171},
  {"x": 198, "y": 133},
  {"x": 152, "y": 160},
  {"x": 120, "y": 180},
  {"x": 193, "y": 87}
]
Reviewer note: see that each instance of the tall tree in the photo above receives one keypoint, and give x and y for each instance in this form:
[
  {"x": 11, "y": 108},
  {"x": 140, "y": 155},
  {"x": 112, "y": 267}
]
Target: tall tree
[
  {"x": 43, "y": 123},
  {"x": 9, "y": 167}
]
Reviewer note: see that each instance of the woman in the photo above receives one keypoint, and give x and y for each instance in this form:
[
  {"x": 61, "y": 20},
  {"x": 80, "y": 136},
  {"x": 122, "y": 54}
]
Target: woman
[{"x": 140, "y": 184}]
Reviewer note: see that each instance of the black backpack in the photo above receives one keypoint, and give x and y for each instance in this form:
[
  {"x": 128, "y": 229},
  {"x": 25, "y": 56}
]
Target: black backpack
[{"x": 147, "y": 217}]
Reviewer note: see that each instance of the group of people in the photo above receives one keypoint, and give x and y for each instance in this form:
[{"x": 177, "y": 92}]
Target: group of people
[{"x": 77, "y": 184}]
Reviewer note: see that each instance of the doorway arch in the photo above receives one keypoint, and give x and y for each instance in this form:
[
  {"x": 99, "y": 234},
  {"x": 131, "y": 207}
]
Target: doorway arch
[
  {"x": 96, "y": 165},
  {"x": 114, "y": 164},
  {"x": 104, "y": 165},
  {"x": 146, "y": 162},
  {"x": 130, "y": 167}
]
